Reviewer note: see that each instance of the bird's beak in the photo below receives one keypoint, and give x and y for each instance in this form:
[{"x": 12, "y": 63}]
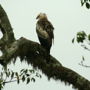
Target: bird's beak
[{"x": 37, "y": 17}]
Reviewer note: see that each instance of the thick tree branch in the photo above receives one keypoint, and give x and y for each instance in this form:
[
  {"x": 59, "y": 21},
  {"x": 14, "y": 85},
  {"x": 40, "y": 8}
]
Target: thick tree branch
[
  {"x": 6, "y": 29},
  {"x": 35, "y": 55}
]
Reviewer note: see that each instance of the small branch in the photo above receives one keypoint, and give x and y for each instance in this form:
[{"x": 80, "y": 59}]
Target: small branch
[
  {"x": 10, "y": 81},
  {"x": 85, "y": 47},
  {"x": 82, "y": 64}
]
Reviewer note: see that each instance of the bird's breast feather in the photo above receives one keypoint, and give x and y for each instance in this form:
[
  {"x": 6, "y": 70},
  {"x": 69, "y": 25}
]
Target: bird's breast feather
[{"x": 42, "y": 33}]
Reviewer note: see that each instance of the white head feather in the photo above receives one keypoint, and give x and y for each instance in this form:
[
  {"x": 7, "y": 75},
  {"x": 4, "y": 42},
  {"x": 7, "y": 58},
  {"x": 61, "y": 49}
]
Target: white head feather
[{"x": 41, "y": 16}]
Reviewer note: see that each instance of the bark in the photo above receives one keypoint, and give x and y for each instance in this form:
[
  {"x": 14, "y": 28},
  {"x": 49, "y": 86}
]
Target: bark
[{"x": 34, "y": 54}]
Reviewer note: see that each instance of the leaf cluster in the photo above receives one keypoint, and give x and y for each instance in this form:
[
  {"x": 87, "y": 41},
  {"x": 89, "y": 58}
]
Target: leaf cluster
[
  {"x": 25, "y": 75},
  {"x": 81, "y": 37},
  {"x": 86, "y": 3},
  {"x": 84, "y": 40}
]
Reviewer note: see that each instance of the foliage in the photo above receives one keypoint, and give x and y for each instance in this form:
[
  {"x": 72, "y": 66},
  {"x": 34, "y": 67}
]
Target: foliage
[
  {"x": 25, "y": 75},
  {"x": 84, "y": 40},
  {"x": 86, "y": 3},
  {"x": 81, "y": 37}
]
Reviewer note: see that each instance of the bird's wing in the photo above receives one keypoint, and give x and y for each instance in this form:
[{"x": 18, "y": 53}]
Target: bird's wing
[{"x": 49, "y": 29}]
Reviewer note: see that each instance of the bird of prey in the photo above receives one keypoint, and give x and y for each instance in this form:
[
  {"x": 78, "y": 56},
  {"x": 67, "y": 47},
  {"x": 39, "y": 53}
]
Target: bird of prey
[{"x": 44, "y": 30}]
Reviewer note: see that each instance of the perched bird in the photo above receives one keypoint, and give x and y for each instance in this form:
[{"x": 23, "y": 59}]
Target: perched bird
[{"x": 44, "y": 30}]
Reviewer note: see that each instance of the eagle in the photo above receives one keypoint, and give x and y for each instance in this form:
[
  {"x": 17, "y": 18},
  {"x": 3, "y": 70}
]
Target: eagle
[{"x": 44, "y": 30}]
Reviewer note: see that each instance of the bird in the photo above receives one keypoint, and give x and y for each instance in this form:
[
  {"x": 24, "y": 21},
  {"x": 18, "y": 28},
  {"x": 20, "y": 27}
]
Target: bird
[{"x": 45, "y": 31}]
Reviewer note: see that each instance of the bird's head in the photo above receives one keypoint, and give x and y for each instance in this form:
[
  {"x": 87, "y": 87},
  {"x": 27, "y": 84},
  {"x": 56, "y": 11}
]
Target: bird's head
[{"x": 41, "y": 16}]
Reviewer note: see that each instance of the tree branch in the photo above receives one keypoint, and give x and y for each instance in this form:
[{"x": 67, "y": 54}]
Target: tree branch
[
  {"x": 6, "y": 29},
  {"x": 34, "y": 54}
]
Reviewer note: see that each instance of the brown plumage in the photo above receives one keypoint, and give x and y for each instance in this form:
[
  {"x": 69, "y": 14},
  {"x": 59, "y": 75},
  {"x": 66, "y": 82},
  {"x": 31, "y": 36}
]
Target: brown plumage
[{"x": 44, "y": 30}]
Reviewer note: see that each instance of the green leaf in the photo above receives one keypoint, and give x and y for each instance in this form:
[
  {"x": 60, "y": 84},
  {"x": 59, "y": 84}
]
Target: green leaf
[
  {"x": 40, "y": 76},
  {"x": 83, "y": 58},
  {"x": 22, "y": 70},
  {"x": 1, "y": 76},
  {"x": 7, "y": 74},
  {"x": 87, "y": 5},
  {"x": 18, "y": 81},
  {"x": 1, "y": 86},
  {"x": 16, "y": 74},
  {"x": 25, "y": 71},
  {"x": 89, "y": 37},
  {"x": 23, "y": 78},
  {"x": 85, "y": 0},
  {"x": 33, "y": 79},
  {"x": 12, "y": 75},
  {"x": 73, "y": 40},
  {"x": 27, "y": 75},
  {"x": 31, "y": 71},
  {"x": 81, "y": 36},
  {"x": 3, "y": 83},
  {"x": 82, "y": 3},
  {"x": 28, "y": 80},
  {"x": 37, "y": 74}
]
